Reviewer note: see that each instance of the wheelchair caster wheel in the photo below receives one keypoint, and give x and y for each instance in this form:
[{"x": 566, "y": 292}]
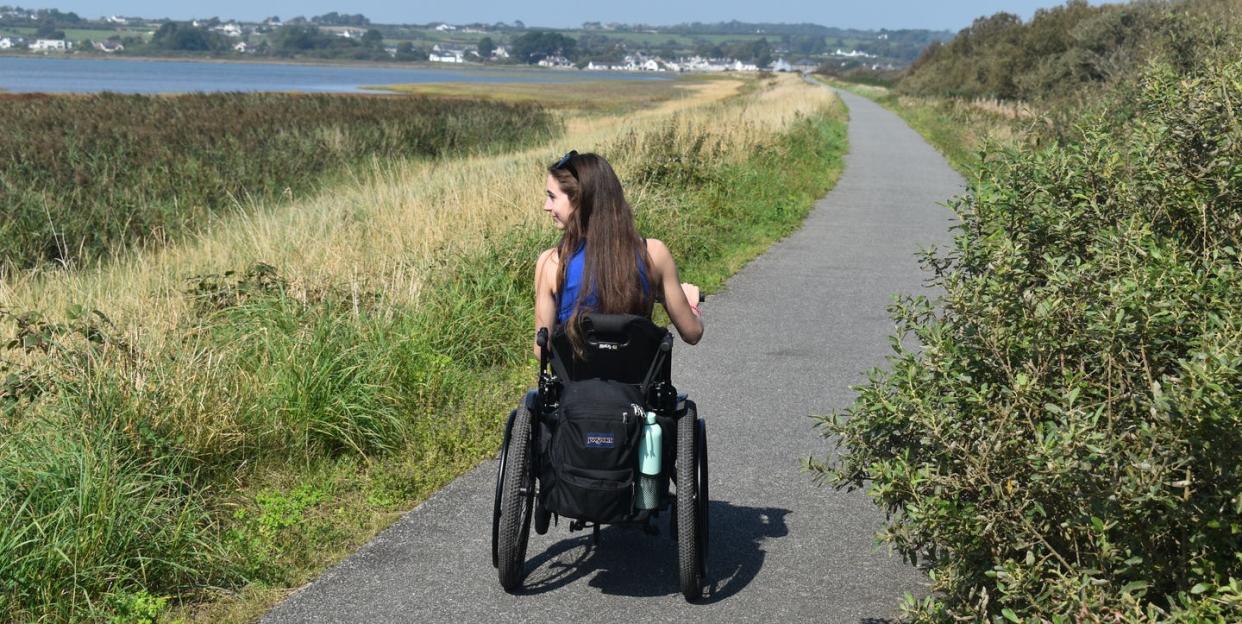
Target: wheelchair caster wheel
[{"x": 543, "y": 518}]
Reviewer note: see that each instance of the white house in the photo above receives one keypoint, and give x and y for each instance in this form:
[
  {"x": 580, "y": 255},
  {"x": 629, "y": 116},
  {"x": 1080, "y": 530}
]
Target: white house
[
  {"x": 446, "y": 55},
  {"x": 554, "y": 61},
  {"x": 45, "y": 45},
  {"x": 109, "y": 46},
  {"x": 650, "y": 65},
  {"x": 701, "y": 64},
  {"x": 116, "y": 19},
  {"x": 853, "y": 54},
  {"x": 627, "y": 66},
  {"x": 243, "y": 47},
  {"x": 781, "y": 65},
  {"x": 6, "y": 43},
  {"x": 445, "y": 27},
  {"x": 805, "y": 66},
  {"x": 500, "y": 52},
  {"x": 229, "y": 30}
]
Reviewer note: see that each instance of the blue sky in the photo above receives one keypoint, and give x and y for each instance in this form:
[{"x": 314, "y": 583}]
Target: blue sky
[{"x": 875, "y": 14}]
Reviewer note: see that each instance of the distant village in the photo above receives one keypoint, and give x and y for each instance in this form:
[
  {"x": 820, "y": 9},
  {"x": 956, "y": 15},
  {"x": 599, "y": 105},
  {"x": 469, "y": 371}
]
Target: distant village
[{"x": 113, "y": 33}]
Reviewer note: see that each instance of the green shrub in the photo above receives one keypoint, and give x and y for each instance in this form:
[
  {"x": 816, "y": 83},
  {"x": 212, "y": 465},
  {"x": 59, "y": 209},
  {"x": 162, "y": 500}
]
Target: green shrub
[
  {"x": 139, "y": 608},
  {"x": 1064, "y": 443}
]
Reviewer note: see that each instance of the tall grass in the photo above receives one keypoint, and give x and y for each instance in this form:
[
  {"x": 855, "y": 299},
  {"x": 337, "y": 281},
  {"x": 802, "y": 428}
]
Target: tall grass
[
  {"x": 88, "y": 517},
  {"x": 374, "y": 355},
  {"x": 86, "y": 176}
]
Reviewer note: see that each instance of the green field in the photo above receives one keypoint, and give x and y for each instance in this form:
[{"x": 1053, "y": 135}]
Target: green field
[
  {"x": 75, "y": 34},
  {"x": 656, "y": 39}
]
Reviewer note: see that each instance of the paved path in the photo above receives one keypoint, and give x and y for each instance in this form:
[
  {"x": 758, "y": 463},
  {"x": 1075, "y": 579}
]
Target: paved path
[{"x": 784, "y": 340}]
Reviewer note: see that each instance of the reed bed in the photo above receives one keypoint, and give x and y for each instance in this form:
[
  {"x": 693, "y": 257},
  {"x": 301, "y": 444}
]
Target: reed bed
[{"x": 86, "y": 176}]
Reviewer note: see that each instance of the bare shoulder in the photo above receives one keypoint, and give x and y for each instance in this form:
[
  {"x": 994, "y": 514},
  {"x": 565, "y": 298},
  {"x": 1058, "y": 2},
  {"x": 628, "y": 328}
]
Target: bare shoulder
[
  {"x": 548, "y": 255},
  {"x": 661, "y": 257},
  {"x": 657, "y": 249},
  {"x": 546, "y": 267}
]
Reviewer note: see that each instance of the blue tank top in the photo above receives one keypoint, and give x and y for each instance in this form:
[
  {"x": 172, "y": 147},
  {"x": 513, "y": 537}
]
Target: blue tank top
[{"x": 568, "y": 295}]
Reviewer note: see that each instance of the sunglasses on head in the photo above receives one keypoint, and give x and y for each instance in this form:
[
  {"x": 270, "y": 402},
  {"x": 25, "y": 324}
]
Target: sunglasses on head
[{"x": 564, "y": 163}]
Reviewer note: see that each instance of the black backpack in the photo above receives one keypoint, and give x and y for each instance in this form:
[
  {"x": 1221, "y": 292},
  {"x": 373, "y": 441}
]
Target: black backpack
[
  {"x": 592, "y": 451},
  {"x": 589, "y": 443}
]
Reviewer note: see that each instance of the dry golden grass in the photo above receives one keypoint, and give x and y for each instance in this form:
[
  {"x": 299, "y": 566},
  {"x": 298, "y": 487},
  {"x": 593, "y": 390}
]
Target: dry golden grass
[
  {"x": 382, "y": 229},
  {"x": 607, "y": 96},
  {"x": 1000, "y": 108}
]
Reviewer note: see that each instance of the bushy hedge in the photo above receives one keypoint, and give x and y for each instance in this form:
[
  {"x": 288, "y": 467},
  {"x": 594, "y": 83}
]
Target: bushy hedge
[{"x": 1065, "y": 443}]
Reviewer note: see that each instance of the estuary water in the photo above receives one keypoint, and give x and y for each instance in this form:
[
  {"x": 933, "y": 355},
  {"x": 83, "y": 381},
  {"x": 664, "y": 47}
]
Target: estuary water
[{"x": 24, "y": 74}]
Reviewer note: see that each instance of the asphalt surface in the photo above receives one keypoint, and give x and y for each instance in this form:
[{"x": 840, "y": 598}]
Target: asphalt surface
[{"x": 785, "y": 339}]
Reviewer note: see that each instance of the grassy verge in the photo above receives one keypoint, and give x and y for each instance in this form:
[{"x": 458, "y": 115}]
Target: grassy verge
[{"x": 225, "y": 438}]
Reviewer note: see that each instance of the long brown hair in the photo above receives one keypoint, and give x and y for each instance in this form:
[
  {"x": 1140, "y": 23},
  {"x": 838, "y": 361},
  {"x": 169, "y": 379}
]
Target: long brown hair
[{"x": 605, "y": 222}]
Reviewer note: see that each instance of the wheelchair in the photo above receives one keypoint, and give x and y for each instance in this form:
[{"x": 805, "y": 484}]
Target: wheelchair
[{"x": 628, "y": 356}]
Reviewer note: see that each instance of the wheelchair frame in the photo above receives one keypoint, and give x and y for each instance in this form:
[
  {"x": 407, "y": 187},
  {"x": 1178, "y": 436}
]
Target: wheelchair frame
[{"x": 520, "y": 463}]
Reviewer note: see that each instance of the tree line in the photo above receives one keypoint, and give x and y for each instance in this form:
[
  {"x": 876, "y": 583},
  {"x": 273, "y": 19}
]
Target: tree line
[{"x": 1064, "y": 49}]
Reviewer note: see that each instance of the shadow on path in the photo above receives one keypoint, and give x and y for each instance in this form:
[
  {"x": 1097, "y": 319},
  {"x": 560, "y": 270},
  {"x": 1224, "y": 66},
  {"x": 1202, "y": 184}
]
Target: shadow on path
[{"x": 628, "y": 562}]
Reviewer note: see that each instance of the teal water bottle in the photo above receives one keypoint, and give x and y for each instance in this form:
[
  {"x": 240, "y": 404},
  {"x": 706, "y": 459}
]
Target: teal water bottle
[{"x": 649, "y": 451}]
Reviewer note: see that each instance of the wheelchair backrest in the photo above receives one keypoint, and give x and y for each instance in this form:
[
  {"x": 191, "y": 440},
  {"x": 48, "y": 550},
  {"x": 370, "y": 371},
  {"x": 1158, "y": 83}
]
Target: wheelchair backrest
[{"x": 618, "y": 347}]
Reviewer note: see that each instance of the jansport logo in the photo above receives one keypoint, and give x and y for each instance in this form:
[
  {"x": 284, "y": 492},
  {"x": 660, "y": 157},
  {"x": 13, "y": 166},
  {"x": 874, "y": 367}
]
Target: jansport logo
[{"x": 599, "y": 440}]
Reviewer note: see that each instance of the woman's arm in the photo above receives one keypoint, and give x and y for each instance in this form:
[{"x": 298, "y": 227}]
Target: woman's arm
[
  {"x": 688, "y": 323},
  {"x": 545, "y": 295}
]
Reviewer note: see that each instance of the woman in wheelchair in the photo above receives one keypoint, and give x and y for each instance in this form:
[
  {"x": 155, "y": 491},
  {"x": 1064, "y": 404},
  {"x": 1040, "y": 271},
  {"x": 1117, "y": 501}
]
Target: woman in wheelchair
[
  {"x": 589, "y": 444},
  {"x": 585, "y": 201}
]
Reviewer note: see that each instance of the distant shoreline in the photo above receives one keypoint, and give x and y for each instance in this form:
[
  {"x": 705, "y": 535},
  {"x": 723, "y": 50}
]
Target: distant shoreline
[
  {"x": 56, "y": 73},
  {"x": 469, "y": 67}
]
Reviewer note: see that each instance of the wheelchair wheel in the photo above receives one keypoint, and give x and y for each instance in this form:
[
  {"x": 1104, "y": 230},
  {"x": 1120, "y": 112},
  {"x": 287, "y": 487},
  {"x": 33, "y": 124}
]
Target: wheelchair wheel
[
  {"x": 703, "y": 499},
  {"x": 516, "y": 495},
  {"x": 691, "y": 504},
  {"x": 500, "y": 481}
]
